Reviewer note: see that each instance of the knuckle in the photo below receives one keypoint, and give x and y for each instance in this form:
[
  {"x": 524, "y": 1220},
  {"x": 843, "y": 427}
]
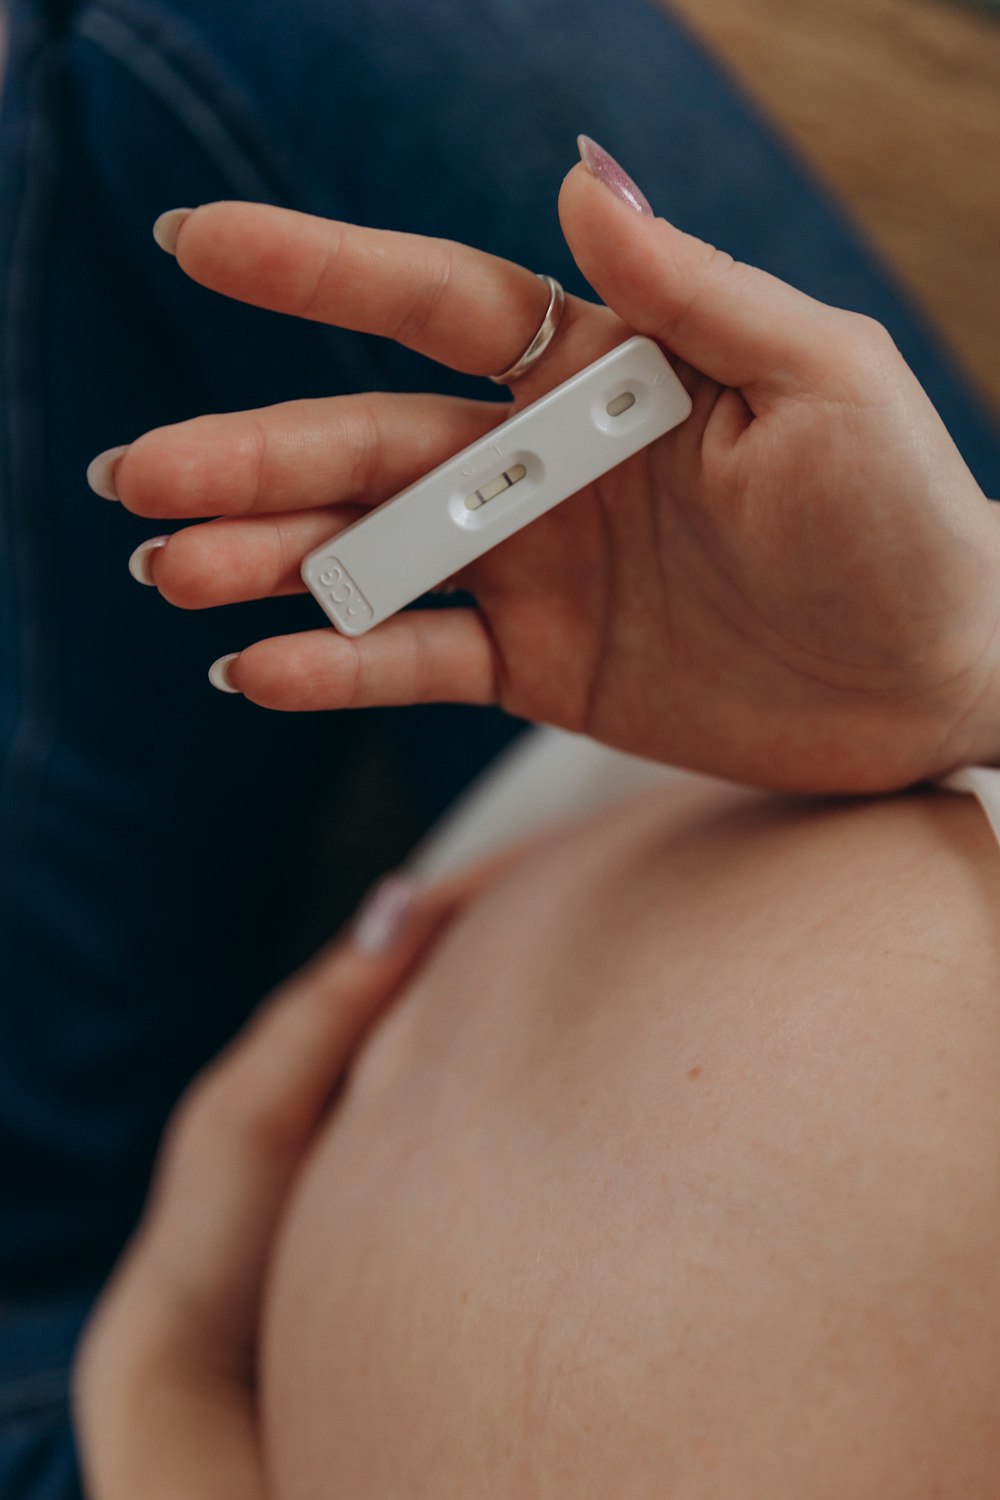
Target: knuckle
[
  {"x": 256, "y": 456},
  {"x": 871, "y": 336},
  {"x": 421, "y": 674},
  {"x": 365, "y": 447},
  {"x": 710, "y": 265},
  {"x": 311, "y": 297},
  {"x": 283, "y": 555},
  {"x": 418, "y": 314},
  {"x": 352, "y": 687},
  {"x": 868, "y": 357},
  {"x": 716, "y": 262}
]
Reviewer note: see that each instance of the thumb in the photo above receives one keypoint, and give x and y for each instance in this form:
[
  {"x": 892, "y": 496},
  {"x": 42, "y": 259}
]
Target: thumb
[{"x": 732, "y": 322}]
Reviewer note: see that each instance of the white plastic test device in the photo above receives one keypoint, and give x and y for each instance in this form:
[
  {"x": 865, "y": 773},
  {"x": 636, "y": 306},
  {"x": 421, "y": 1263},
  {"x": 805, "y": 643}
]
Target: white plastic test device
[{"x": 562, "y": 442}]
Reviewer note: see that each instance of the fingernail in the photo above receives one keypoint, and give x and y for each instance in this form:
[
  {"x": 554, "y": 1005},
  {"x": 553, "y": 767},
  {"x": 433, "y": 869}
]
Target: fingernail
[
  {"x": 168, "y": 227},
  {"x": 602, "y": 165},
  {"x": 101, "y": 472},
  {"x": 383, "y": 915},
  {"x": 218, "y": 673},
  {"x": 138, "y": 563}
]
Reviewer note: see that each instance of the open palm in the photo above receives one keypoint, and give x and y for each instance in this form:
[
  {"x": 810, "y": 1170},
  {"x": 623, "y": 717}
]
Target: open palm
[{"x": 793, "y": 589}]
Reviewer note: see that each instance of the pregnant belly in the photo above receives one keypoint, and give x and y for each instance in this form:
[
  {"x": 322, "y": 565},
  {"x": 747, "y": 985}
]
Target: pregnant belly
[{"x": 639, "y": 1188}]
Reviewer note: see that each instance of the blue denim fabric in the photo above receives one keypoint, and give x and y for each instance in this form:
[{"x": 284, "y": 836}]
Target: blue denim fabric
[
  {"x": 37, "y": 1450},
  {"x": 167, "y": 853}
]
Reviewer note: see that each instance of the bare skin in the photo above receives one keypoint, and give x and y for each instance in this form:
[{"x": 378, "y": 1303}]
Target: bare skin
[
  {"x": 674, "y": 1172},
  {"x": 795, "y": 589}
]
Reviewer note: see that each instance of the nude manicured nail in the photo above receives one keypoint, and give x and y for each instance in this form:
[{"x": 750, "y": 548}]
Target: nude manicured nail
[
  {"x": 168, "y": 227},
  {"x": 602, "y": 165},
  {"x": 101, "y": 472},
  {"x": 218, "y": 673},
  {"x": 139, "y": 562},
  {"x": 383, "y": 915}
]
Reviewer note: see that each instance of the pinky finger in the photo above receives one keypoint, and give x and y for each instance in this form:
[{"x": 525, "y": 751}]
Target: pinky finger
[{"x": 424, "y": 656}]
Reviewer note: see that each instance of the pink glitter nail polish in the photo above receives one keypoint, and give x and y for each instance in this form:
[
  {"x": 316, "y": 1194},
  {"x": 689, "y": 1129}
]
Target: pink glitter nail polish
[{"x": 604, "y": 167}]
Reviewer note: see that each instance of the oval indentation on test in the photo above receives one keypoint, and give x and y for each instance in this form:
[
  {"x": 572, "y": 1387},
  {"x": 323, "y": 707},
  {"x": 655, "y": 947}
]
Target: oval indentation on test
[{"x": 620, "y": 404}]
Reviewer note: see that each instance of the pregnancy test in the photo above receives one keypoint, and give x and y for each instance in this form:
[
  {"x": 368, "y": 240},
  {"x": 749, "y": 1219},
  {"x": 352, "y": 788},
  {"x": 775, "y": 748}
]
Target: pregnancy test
[{"x": 580, "y": 430}]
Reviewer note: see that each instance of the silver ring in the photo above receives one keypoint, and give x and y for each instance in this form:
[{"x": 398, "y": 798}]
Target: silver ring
[{"x": 543, "y": 338}]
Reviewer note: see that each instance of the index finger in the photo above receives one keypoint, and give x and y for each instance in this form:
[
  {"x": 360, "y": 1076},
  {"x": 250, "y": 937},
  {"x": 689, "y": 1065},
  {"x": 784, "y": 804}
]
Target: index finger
[{"x": 462, "y": 307}]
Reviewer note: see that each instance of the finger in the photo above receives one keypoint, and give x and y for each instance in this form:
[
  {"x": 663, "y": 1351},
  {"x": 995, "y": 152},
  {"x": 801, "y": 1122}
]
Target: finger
[
  {"x": 239, "y": 1134},
  {"x": 182, "y": 1312},
  {"x": 725, "y": 423},
  {"x": 231, "y": 562},
  {"x": 250, "y": 1115},
  {"x": 284, "y": 1065},
  {"x": 462, "y": 307},
  {"x": 296, "y": 455},
  {"x": 735, "y": 323},
  {"x": 422, "y": 656},
  {"x": 274, "y": 1083}
]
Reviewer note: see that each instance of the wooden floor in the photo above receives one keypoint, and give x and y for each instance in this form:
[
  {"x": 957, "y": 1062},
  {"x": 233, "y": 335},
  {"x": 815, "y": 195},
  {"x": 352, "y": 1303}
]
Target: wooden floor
[{"x": 896, "y": 103}]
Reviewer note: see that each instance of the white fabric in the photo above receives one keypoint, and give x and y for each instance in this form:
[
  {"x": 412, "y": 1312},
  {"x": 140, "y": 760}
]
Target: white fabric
[
  {"x": 549, "y": 777},
  {"x": 546, "y": 778}
]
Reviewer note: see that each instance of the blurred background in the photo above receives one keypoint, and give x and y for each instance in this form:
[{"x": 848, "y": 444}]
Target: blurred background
[
  {"x": 850, "y": 146},
  {"x": 167, "y": 855},
  {"x": 895, "y": 104}
]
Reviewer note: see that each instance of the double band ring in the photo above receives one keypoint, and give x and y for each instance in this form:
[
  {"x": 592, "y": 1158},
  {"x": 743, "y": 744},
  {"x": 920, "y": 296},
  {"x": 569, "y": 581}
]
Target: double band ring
[{"x": 543, "y": 338}]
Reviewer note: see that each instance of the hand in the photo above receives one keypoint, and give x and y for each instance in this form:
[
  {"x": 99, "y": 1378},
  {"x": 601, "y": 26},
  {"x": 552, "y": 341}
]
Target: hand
[
  {"x": 794, "y": 589},
  {"x": 165, "y": 1380}
]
